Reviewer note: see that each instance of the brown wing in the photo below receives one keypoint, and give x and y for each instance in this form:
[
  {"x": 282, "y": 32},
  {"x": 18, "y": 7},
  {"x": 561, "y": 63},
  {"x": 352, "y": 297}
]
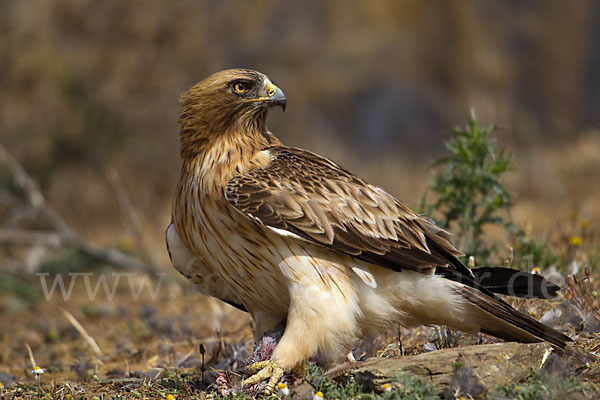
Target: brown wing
[{"x": 304, "y": 194}]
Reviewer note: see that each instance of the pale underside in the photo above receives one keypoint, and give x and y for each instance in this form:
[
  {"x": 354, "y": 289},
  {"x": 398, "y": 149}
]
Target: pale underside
[{"x": 335, "y": 297}]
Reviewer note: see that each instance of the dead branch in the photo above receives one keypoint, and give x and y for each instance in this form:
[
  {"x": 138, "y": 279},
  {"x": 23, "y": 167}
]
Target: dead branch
[
  {"x": 62, "y": 234},
  {"x": 492, "y": 364},
  {"x": 31, "y": 237},
  {"x": 131, "y": 218},
  {"x": 22, "y": 178},
  {"x": 115, "y": 257}
]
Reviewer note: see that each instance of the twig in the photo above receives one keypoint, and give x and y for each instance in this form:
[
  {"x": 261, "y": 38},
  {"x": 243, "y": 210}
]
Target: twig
[
  {"x": 341, "y": 369},
  {"x": 31, "y": 359},
  {"x": 22, "y": 178},
  {"x": 8, "y": 200},
  {"x": 52, "y": 239},
  {"x": 22, "y": 236},
  {"x": 130, "y": 217},
  {"x": 10, "y": 264},
  {"x": 115, "y": 257},
  {"x": 33, "y": 192},
  {"x": 185, "y": 358},
  {"x": 18, "y": 214},
  {"x": 571, "y": 283},
  {"x": 592, "y": 291},
  {"x": 123, "y": 381},
  {"x": 160, "y": 371},
  {"x": 82, "y": 331}
]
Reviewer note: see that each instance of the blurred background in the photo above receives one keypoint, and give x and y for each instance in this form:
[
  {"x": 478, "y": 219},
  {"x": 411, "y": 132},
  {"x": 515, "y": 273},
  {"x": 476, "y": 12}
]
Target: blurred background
[
  {"x": 88, "y": 86},
  {"x": 89, "y": 97}
]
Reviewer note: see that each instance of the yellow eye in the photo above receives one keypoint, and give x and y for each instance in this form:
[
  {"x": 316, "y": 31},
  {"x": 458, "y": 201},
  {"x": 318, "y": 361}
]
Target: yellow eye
[{"x": 240, "y": 87}]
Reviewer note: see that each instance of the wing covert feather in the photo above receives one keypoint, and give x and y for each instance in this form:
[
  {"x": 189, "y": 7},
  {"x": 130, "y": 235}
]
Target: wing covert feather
[{"x": 316, "y": 199}]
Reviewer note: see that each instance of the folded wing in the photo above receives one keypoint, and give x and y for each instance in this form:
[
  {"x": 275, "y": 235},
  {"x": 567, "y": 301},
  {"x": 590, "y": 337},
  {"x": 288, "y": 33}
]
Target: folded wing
[{"x": 300, "y": 193}]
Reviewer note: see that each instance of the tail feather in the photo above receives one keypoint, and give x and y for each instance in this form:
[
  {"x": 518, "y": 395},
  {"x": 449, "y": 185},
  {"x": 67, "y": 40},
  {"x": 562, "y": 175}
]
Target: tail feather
[
  {"x": 514, "y": 283},
  {"x": 501, "y": 320}
]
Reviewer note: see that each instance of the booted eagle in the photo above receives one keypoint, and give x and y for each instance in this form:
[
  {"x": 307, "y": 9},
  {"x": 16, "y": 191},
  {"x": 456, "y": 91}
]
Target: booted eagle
[{"x": 286, "y": 234}]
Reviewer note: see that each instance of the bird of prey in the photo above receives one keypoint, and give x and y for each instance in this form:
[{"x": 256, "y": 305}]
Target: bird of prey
[{"x": 289, "y": 235}]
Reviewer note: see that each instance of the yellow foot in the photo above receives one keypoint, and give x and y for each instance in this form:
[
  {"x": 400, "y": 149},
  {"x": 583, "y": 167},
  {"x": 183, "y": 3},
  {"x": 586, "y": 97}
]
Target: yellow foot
[{"x": 265, "y": 370}]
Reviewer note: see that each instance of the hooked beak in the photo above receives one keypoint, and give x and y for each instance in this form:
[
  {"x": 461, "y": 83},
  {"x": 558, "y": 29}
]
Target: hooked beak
[
  {"x": 278, "y": 98},
  {"x": 274, "y": 97}
]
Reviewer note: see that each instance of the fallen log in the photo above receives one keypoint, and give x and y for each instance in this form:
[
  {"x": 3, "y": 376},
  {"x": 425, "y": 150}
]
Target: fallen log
[{"x": 490, "y": 365}]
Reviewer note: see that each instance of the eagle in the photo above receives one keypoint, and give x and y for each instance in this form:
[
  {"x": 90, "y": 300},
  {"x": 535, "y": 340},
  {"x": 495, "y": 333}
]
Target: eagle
[{"x": 288, "y": 235}]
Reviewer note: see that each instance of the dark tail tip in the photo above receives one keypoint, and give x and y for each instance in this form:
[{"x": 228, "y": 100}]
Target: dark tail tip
[{"x": 513, "y": 282}]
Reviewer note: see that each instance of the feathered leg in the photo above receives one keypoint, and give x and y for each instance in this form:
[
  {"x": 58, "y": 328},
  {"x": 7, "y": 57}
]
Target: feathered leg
[{"x": 318, "y": 319}]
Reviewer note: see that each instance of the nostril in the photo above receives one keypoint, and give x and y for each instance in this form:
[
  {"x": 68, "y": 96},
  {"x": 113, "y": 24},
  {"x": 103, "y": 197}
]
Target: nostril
[{"x": 272, "y": 92}]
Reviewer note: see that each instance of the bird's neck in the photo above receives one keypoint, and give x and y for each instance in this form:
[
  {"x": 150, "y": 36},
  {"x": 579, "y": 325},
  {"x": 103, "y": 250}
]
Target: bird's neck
[
  {"x": 202, "y": 128},
  {"x": 212, "y": 162}
]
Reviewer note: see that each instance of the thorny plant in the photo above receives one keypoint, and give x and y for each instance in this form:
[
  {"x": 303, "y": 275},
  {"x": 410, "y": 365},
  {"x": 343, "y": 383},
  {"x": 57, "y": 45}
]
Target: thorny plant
[
  {"x": 470, "y": 195},
  {"x": 583, "y": 291}
]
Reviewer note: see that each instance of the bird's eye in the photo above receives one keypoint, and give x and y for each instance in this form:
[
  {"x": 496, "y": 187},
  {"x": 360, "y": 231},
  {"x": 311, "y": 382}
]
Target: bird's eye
[{"x": 240, "y": 87}]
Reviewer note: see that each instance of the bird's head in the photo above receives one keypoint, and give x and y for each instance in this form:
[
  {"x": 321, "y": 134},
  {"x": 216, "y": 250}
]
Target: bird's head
[{"x": 234, "y": 100}]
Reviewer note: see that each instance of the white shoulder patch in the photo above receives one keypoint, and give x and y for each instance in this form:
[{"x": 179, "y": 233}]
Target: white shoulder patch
[
  {"x": 181, "y": 256},
  {"x": 285, "y": 233}
]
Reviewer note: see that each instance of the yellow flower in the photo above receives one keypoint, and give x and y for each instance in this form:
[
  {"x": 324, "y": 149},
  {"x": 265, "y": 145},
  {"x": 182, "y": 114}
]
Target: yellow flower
[
  {"x": 387, "y": 387},
  {"x": 318, "y": 396},
  {"x": 53, "y": 334},
  {"x": 170, "y": 397},
  {"x": 584, "y": 223},
  {"x": 576, "y": 240},
  {"x": 1, "y": 385},
  {"x": 535, "y": 270}
]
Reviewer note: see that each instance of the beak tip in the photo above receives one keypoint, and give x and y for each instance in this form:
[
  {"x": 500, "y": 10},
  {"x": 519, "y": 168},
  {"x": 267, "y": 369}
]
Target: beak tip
[{"x": 278, "y": 98}]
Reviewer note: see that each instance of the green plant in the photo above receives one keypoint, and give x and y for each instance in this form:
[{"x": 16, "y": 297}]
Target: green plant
[
  {"x": 19, "y": 287},
  {"x": 544, "y": 386},
  {"x": 70, "y": 259},
  {"x": 409, "y": 387},
  {"x": 321, "y": 383},
  {"x": 527, "y": 252},
  {"x": 469, "y": 192},
  {"x": 471, "y": 195},
  {"x": 402, "y": 387}
]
